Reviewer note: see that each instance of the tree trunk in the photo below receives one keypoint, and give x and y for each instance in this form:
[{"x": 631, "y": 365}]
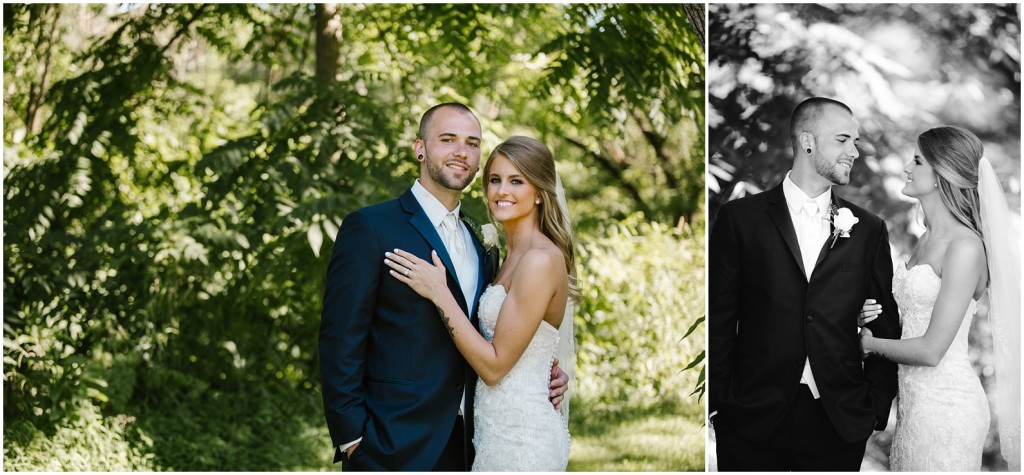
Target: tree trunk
[
  {"x": 47, "y": 35},
  {"x": 695, "y": 13},
  {"x": 328, "y": 31}
]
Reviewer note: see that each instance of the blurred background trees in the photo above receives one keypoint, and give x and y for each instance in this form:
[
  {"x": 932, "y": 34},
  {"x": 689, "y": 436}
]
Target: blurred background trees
[
  {"x": 902, "y": 69},
  {"x": 174, "y": 176}
]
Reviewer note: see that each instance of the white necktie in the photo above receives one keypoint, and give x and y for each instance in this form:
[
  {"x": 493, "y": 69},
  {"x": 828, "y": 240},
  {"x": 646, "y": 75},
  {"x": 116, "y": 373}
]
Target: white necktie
[
  {"x": 810, "y": 231},
  {"x": 452, "y": 237}
]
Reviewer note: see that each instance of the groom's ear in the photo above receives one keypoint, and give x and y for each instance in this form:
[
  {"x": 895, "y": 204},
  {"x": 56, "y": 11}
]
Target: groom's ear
[
  {"x": 418, "y": 149},
  {"x": 807, "y": 142}
]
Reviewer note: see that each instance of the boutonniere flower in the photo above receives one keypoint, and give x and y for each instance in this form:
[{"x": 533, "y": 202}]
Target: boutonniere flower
[
  {"x": 487, "y": 234},
  {"x": 490, "y": 235},
  {"x": 842, "y": 220}
]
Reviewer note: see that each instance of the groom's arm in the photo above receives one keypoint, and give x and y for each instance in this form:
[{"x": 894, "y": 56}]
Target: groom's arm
[
  {"x": 724, "y": 296},
  {"x": 880, "y": 372},
  {"x": 349, "y": 299}
]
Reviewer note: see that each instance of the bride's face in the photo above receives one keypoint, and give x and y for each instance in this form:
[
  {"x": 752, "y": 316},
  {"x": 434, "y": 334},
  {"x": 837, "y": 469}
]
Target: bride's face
[
  {"x": 509, "y": 195},
  {"x": 920, "y": 176}
]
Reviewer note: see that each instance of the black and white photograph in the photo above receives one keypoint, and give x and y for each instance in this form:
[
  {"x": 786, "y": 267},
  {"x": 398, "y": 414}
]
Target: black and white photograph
[{"x": 863, "y": 253}]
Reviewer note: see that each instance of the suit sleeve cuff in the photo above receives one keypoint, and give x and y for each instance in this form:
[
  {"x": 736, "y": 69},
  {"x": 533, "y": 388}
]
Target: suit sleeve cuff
[{"x": 345, "y": 447}]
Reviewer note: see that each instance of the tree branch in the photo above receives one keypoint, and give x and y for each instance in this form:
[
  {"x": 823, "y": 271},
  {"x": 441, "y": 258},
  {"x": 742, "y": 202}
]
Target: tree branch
[
  {"x": 609, "y": 165},
  {"x": 184, "y": 28},
  {"x": 38, "y": 90},
  {"x": 657, "y": 142},
  {"x": 695, "y": 13}
]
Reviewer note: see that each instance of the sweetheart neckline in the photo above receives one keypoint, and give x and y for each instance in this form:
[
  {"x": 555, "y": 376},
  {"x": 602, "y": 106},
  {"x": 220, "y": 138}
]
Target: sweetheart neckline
[
  {"x": 929, "y": 266},
  {"x": 505, "y": 291},
  {"x": 936, "y": 274}
]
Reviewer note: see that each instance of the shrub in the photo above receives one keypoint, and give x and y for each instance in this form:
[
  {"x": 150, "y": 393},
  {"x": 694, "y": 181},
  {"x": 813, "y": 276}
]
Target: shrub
[{"x": 643, "y": 286}]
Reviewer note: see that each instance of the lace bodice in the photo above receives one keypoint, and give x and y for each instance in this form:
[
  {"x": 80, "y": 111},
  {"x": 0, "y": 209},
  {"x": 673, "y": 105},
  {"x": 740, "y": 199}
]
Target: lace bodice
[
  {"x": 916, "y": 290},
  {"x": 942, "y": 413},
  {"x": 517, "y": 428},
  {"x": 533, "y": 369}
]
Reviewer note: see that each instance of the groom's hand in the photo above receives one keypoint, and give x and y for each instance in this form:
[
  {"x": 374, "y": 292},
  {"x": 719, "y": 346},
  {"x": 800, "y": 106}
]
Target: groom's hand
[
  {"x": 348, "y": 451},
  {"x": 864, "y": 335},
  {"x": 559, "y": 384}
]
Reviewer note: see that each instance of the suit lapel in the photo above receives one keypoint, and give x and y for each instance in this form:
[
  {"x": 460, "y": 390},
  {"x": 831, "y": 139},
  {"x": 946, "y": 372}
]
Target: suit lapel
[
  {"x": 481, "y": 254},
  {"x": 778, "y": 210},
  {"x": 421, "y": 222},
  {"x": 827, "y": 247}
]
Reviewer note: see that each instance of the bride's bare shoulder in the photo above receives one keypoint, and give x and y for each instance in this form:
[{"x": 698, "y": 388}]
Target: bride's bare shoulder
[{"x": 965, "y": 251}]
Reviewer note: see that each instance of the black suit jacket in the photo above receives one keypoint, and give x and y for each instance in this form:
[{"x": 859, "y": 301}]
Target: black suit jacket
[
  {"x": 390, "y": 372},
  {"x": 766, "y": 318}
]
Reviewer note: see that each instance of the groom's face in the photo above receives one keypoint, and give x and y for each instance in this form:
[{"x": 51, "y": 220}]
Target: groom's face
[
  {"x": 837, "y": 142},
  {"x": 451, "y": 149}
]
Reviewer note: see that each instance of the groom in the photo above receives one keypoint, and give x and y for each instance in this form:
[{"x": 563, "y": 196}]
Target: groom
[
  {"x": 789, "y": 270},
  {"x": 397, "y": 393}
]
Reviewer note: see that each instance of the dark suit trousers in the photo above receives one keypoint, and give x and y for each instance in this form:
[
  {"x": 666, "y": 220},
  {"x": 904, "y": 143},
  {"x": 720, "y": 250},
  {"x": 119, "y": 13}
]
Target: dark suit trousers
[
  {"x": 805, "y": 440},
  {"x": 453, "y": 458}
]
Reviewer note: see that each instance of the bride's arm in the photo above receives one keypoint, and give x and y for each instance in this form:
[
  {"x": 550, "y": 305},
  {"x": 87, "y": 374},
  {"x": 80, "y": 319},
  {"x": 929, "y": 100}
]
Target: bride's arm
[
  {"x": 962, "y": 268},
  {"x": 532, "y": 288}
]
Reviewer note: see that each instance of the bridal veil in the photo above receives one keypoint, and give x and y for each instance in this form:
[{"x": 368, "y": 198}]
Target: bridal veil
[{"x": 1000, "y": 233}]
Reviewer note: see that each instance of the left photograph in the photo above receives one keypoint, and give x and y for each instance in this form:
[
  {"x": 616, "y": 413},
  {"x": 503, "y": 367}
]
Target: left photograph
[{"x": 322, "y": 237}]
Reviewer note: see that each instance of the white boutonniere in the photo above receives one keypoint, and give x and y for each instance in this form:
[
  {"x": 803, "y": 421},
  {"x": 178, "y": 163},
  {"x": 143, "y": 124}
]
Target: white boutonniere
[
  {"x": 487, "y": 234},
  {"x": 490, "y": 235},
  {"x": 842, "y": 220}
]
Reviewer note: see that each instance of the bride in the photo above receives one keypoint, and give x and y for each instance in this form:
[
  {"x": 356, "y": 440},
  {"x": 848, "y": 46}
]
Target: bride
[
  {"x": 517, "y": 429},
  {"x": 942, "y": 411}
]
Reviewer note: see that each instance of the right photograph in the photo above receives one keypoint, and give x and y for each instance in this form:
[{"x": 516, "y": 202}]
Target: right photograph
[{"x": 863, "y": 188}]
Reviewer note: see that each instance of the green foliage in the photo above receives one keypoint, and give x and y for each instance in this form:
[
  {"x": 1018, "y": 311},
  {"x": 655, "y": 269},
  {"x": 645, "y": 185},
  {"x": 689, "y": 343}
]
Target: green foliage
[
  {"x": 174, "y": 176},
  {"x": 643, "y": 286},
  {"x": 86, "y": 442}
]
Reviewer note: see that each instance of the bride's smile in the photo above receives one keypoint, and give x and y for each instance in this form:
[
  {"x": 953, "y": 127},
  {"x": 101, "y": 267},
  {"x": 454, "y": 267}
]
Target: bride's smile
[{"x": 509, "y": 196}]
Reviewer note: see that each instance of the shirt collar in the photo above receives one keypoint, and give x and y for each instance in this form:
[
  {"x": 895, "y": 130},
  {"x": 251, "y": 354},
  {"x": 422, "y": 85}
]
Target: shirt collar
[
  {"x": 795, "y": 197},
  {"x": 431, "y": 205}
]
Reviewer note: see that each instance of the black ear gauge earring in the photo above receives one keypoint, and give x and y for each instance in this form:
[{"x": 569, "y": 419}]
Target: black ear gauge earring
[
  {"x": 419, "y": 157},
  {"x": 808, "y": 149}
]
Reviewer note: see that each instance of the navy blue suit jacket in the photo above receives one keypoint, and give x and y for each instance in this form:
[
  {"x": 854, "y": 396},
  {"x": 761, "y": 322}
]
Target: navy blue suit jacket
[
  {"x": 391, "y": 373},
  {"x": 766, "y": 318}
]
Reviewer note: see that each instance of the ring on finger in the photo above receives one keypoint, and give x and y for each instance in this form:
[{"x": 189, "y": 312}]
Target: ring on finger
[{"x": 407, "y": 272}]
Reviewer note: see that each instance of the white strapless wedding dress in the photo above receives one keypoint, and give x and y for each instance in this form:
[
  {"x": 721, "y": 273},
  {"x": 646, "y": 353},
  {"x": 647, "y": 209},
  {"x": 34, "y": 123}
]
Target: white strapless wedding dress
[
  {"x": 517, "y": 428},
  {"x": 942, "y": 414}
]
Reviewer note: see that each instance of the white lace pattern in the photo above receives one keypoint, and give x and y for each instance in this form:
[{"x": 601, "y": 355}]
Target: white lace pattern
[
  {"x": 942, "y": 415},
  {"x": 517, "y": 428}
]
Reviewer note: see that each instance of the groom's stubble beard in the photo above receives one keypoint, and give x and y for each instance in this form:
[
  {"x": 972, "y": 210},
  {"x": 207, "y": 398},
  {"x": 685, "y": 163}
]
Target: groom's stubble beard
[
  {"x": 436, "y": 172},
  {"x": 827, "y": 170}
]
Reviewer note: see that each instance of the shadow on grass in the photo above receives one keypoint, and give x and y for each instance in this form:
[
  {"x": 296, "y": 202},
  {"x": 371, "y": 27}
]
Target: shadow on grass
[
  {"x": 224, "y": 431},
  {"x": 667, "y": 437}
]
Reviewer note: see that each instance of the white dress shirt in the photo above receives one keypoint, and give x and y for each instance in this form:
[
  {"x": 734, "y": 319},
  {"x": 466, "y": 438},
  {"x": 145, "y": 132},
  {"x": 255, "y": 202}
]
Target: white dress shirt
[
  {"x": 467, "y": 268},
  {"x": 810, "y": 220}
]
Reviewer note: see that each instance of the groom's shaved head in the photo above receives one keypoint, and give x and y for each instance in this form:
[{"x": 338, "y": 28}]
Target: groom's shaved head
[
  {"x": 807, "y": 116},
  {"x": 428, "y": 116}
]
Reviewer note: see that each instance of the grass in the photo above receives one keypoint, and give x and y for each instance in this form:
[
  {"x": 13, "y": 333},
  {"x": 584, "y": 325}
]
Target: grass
[
  {"x": 664, "y": 439},
  {"x": 223, "y": 431}
]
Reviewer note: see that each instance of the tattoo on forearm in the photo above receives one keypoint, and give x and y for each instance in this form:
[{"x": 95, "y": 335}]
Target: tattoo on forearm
[{"x": 447, "y": 322}]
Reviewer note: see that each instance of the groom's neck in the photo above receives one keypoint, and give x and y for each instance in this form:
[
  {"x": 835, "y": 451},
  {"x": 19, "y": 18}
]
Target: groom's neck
[
  {"x": 448, "y": 198},
  {"x": 810, "y": 183}
]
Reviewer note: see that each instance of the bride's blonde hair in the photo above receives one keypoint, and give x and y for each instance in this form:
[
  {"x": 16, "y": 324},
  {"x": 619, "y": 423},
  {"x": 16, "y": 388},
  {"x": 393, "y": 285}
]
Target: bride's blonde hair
[
  {"x": 954, "y": 154},
  {"x": 534, "y": 160}
]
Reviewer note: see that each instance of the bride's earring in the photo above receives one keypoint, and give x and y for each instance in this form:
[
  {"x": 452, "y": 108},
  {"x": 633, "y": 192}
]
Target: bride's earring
[{"x": 537, "y": 202}]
